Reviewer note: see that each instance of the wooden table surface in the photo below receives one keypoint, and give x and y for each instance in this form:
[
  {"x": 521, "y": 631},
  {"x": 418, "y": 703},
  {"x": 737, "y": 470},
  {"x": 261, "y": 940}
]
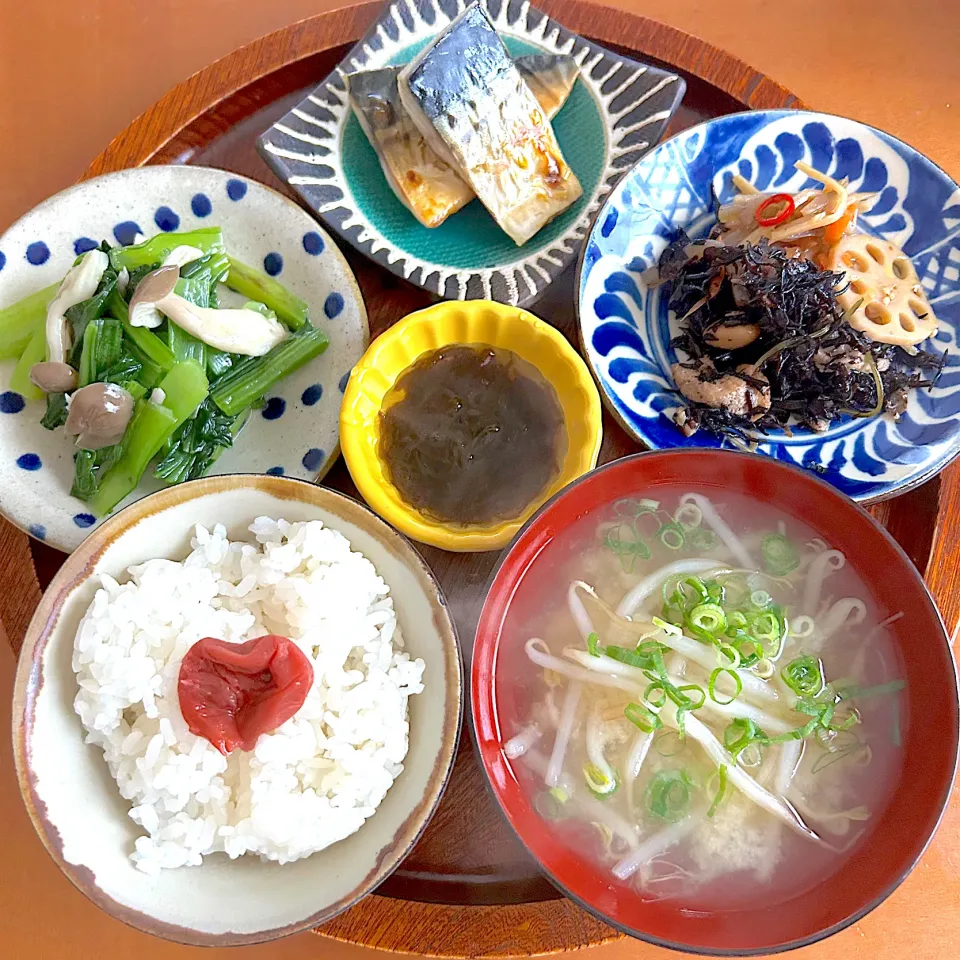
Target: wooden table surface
[{"x": 74, "y": 74}]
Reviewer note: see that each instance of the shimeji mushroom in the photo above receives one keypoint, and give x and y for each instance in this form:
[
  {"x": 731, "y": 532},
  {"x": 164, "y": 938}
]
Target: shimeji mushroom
[
  {"x": 55, "y": 375},
  {"x": 182, "y": 255},
  {"x": 99, "y": 415},
  {"x": 244, "y": 331}
]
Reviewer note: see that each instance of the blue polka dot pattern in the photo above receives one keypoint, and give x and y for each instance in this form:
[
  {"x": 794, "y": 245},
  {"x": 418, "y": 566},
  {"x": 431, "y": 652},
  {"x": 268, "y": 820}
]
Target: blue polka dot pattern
[
  {"x": 201, "y": 205},
  {"x": 313, "y": 243},
  {"x": 312, "y": 394},
  {"x": 29, "y": 461},
  {"x": 37, "y": 530},
  {"x": 333, "y": 305},
  {"x": 273, "y": 408},
  {"x": 166, "y": 219},
  {"x": 3, "y": 259},
  {"x": 84, "y": 519},
  {"x": 38, "y": 253},
  {"x": 236, "y": 189},
  {"x": 313, "y": 459},
  {"x": 84, "y": 245},
  {"x": 343, "y": 381},
  {"x": 126, "y": 232},
  {"x": 273, "y": 263},
  {"x": 275, "y": 471},
  {"x": 11, "y": 402}
]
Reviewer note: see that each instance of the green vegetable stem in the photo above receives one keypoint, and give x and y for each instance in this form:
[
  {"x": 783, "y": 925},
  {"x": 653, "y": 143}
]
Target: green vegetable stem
[
  {"x": 256, "y": 285},
  {"x": 158, "y": 248},
  {"x": 252, "y": 377},
  {"x": 20, "y": 320}
]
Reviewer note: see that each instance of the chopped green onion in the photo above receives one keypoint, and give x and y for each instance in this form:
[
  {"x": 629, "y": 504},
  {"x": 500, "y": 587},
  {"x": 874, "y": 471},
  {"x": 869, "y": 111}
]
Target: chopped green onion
[
  {"x": 715, "y": 591},
  {"x": 804, "y": 676},
  {"x": 721, "y": 790},
  {"x": 671, "y": 535},
  {"x": 708, "y": 618},
  {"x": 761, "y": 599},
  {"x": 625, "y": 541},
  {"x": 740, "y": 733},
  {"x": 668, "y": 795},
  {"x": 593, "y": 645},
  {"x": 641, "y": 717},
  {"x": 764, "y": 668},
  {"x": 779, "y": 555},
  {"x": 671, "y": 629},
  {"x": 599, "y": 783},
  {"x": 731, "y": 653},
  {"x": 634, "y": 658},
  {"x": 657, "y": 687},
  {"x": 662, "y": 744},
  {"x": 690, "y": 703},
  {"x": 736, "y": 620},
  {"x": 712, "y": 687},
  {"x": 702, "y": 539}
]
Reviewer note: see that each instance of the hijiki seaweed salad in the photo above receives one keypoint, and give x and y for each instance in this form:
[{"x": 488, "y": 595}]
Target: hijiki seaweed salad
[
  {"x": 138, "y": 360},
  {"x": 791, "y": 317}
]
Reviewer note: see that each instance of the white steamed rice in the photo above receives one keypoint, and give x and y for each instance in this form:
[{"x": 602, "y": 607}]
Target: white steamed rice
[{"x": 316, "y": 778}]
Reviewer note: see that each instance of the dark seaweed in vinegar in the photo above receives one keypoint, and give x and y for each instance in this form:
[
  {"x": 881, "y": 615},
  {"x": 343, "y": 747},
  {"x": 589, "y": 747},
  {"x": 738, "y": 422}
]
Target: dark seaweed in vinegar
[{"x": 471, "y": 435}]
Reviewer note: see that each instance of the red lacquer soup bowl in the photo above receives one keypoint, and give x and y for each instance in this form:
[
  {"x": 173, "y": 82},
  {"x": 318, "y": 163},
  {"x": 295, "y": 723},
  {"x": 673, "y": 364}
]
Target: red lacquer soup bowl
[{"x": 900, "y": 830}]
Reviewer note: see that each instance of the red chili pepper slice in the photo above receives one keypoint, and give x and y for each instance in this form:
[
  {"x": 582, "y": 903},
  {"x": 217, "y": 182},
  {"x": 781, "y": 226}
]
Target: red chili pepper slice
[
  {"x": 781, "y": 215},
  {"x": 230, "y": 693}
]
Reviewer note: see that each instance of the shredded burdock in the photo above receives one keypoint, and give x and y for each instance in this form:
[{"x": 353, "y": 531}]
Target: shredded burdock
[{"x": 766, "y": 346}]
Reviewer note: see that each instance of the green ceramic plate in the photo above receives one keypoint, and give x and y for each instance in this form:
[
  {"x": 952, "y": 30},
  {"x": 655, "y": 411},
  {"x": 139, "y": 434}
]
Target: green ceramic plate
[{"x": 617, "y": 109}]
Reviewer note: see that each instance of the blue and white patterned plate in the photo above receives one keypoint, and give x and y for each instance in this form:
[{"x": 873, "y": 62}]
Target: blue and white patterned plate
[
  {"x": 625, "y": 326},
  {"x": 296, "y": 433}
]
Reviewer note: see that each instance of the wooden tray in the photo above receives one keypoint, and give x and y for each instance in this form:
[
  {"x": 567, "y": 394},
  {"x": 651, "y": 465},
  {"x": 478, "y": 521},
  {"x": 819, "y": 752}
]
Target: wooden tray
[{"x": 469, "y": 888}]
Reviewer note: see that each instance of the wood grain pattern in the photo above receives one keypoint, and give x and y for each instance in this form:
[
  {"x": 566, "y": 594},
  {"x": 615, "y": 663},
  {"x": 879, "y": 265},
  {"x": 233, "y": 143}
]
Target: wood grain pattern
[{"x": 469, "y": 888}]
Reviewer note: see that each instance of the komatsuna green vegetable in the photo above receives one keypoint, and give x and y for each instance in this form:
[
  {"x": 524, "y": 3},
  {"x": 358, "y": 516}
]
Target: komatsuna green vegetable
[
  {"x": 185, "y": 426},
  {"x": 252, "y": 377},
  {"x": 184, "y": 389},
  {"x": 258, "y": 286},
  {"x": 22, "y": 319},
  {"x": 158, "y": 248}
]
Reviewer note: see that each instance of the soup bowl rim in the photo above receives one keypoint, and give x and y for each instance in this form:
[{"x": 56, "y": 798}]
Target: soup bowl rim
[{"x": 482, "y": 685}]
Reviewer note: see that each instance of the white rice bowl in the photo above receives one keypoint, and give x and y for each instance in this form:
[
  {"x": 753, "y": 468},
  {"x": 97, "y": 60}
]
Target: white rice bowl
[{"x": 316, "y": 778}]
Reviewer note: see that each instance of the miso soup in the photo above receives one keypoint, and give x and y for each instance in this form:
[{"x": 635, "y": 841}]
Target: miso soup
[{"x": 715, "y": 701}]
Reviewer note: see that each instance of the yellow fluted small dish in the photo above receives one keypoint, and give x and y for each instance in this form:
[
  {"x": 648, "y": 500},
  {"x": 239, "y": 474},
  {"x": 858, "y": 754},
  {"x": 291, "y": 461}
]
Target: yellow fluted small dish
[{"x": 467, "y": 322}]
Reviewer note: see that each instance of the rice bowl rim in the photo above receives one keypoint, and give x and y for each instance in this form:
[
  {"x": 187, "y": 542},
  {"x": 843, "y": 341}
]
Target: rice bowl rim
[{"x": 80, "y": 566}]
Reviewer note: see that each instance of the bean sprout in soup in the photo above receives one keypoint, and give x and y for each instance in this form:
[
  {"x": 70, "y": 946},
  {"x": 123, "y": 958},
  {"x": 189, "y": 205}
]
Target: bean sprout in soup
[{"x": 714, "y": 699}]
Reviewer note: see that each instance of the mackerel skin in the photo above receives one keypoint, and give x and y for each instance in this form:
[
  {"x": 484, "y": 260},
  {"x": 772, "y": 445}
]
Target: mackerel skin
[
  {"x": 471, "y": 103},
  {"x": 426, "y": 185}
]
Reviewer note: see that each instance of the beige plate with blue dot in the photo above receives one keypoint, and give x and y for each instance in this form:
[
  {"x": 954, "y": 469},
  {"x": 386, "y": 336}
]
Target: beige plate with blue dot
[{"x": 296, "y": 434}]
